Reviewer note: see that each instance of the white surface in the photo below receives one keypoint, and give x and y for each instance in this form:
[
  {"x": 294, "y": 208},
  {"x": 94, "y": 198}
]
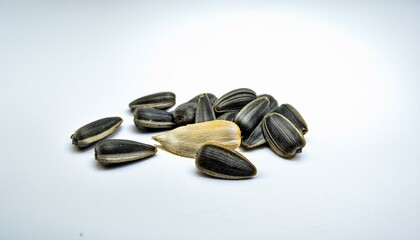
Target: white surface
[{"x": 351, "y": 70}]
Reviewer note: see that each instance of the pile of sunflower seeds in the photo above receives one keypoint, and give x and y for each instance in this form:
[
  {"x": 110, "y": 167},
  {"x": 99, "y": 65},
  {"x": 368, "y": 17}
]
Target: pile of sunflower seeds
[{"x": 206, "y": 128}]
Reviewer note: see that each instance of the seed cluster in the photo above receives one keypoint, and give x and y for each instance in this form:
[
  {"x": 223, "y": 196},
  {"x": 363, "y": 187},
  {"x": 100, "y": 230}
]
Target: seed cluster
[{"x": 205, "y": 128}]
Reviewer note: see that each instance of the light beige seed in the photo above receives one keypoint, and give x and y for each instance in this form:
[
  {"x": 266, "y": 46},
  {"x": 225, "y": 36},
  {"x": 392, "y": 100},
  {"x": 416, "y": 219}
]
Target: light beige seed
[{"x": 186, "y": 140}]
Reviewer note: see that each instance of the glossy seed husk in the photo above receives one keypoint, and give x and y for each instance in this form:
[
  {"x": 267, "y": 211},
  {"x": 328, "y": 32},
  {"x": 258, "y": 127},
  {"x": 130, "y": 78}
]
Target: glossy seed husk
[
  {"x": 185, "y": 113},
  {"x": 293, "y": 115},
  {"x": 255, "y": 139},
  {"x": 234, "y": 100},
  {"x": 282, "y": 136},
  {"x": 153, "y": 118},
  {"x": 161, "y": 100},
  {"x": 204, "y": 111},
  {"x": 95, "y": 131},
  {"x": 211, "y": 97},
  {"x": 229, "y": 116},
  {"x": 250, "y": 115},
  {"x": 220, "y": 162},
  {"x": 273, "y": 102},
  {"x": 112, "y": 151},
  {"x": 186, "y": 140}
]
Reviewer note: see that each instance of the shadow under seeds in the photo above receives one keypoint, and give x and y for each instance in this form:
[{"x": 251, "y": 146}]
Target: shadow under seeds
[
  {"x": 107, "y": 167},
  {"x": 200, "y": 174}
]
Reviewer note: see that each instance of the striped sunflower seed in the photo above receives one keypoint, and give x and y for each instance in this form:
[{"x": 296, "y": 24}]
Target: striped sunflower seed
[
  {"x": 293, "y": 115},
  {"x": 161, "y": 100},
  {"x": 211, "y": 97},
  {"x": 273, "y": 102},
  {"x": 95, "y": 131},
  {"x": 186, "y": 140},
  {"x": 185, "y": 113},
  {"x": 111, "y": 151},
  {"x": 250, "y": 115},
  {"x": 153, "y": 118},
  {"x": 282, "y": 136},
  {"x": 204, "y": 111},
  {"x": 234, "y": 100},
  {"x": 229, "y": 116},
  {"x": 221, "y": 162},
  {"x": 255, "y": 139}
]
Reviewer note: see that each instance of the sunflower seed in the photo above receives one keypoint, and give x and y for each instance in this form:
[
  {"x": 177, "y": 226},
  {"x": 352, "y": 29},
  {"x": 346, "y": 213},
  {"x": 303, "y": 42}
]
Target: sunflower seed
[
  {"x": 186, "y": 140},
  {"x": 211, "y": 97},
  {"x": 221, "y": 162},
  {"x": 229, "y": 116},
  {"x": 273, "y": 102},
  {"x": 255, "y": 139},
  {"x": 282, "y": 136},
  {"x": 204, "y": 111},
  {"x": 153, "y": 118},
  {"x": 95, "y": 131},
  {"x": 234, "y": 100},
  {"x": 111, "y": 151},
  {"x": 293, "y": 115},
  {"x": 250, "y": 115},
  {"x": 185, "y": 113},
  {"x": 161, "y": 100}
]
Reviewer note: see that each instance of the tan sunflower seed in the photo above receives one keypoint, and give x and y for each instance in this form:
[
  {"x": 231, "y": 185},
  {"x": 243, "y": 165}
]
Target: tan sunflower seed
[
  {"x": 293, "y": 115},
  {"x": 95, "y": 131},
  {"x": 112, "y": 151},
  {"x": 250, "y": 115},
  {"x": 161, "y": 100},
  {"x": 153, "y": 118},
  {"x": 186, "y": 140},
  {"x": 282, "y": 136},
  {"x": 204, "y": 111},
  {"x": 234, "y": 100},
  {"x": 221, "y": 162}
]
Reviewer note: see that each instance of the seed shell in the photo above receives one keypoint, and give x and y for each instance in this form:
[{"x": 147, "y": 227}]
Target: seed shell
[
  {"x": 234, "y": 100},
  {"x": 255, "y": 139},
  {"x": 211, "y": 97},
  {"x": 250, "y": 115},
  {"x": 161, "y": 100},
  {"x": 273, "y": 102},
  {"x": 282, "y": 136},
  {"x": 294, "y": 116},
  {"x": 204, "y": 111},
  {"x": 153, "y": 118},
  {"x": 185, "y": 113},
  {"x": 97, "y": 130},
  {"x": 186, "y": 140},
  {"x": 229, "y": 116},
  {"x": 111, "y": 151},
  {"x": 221, "y": 162}
]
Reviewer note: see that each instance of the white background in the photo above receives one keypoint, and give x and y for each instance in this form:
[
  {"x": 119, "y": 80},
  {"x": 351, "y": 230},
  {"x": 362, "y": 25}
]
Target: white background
[{"x": 351, "y": 69}]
